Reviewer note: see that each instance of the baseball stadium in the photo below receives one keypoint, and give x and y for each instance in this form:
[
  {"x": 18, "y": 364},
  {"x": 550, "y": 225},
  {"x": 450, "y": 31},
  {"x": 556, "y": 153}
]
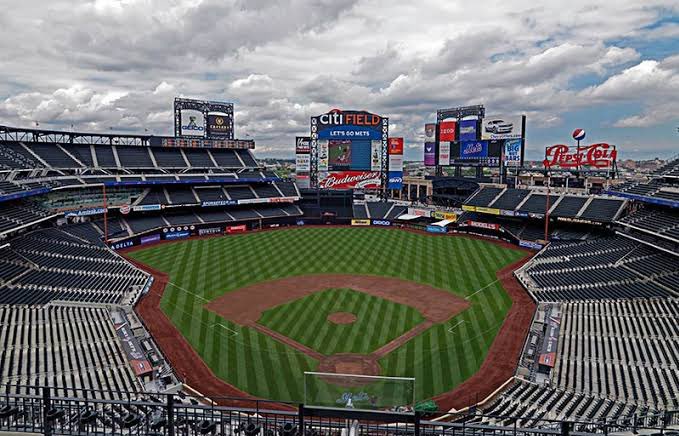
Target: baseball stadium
[{"x": 166, "y": 285}]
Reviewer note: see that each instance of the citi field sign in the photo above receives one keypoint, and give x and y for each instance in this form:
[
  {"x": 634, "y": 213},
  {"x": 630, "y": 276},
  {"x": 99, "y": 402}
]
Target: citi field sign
[{"x": 359, "y": 125}]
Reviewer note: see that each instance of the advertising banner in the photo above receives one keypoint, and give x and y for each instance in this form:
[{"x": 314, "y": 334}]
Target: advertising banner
[
  {"x": 550, "y": 342},
  {"x": 468, "y": 208},
  {"x": 430, "y": 154},
  {"x": 303, "y": 181},
  {"x": 303, "y": 162},
  {"x": 219, "y": 203},
  {"x": 236, "y": 229},
  {"x": 444, "y": 153},
  {"x": 396, "y": 162},
  {"x": 469, "y": 130},
  {"x": 441, "y": 215},
  {"x": 375, "y": 155},
  {"x": 149, "y": 239},
  {"x": 481, "y": 225},
  {"x": 473, "y": 150},
  {"x": 350, "y": 180},
  {"x": 512, "y": 152},
  {"x": 419, "y": 212},
  {"x": 323, "y": 158},
  {"x": 502, "y": 127},
  {"x": 488, "y": 210},
  {"x": 219, "y": 125},
  {"x": 145, "y": 207},
  {"x": 360, "y": 222},
  {"x": 385, "y": 223},
  {"x": 436, "y": 229},
  {"x": 395, "y": 180},
  {"x": 430, "y": 132},
  {"x": 302, "y": 145},
  {"x": 447, "y": 131},
  {"x": 596, "y": 155},
  {"x": 530, "y": 244},
  {"x": 177, "y": 235},
  {"x": 395, "y": 146},
  {"x": 122, "y": 244},
  {"x": 210, "y": 231},
  {"x": 86, "y": 212},
  {"x": 192, "y": 123}
]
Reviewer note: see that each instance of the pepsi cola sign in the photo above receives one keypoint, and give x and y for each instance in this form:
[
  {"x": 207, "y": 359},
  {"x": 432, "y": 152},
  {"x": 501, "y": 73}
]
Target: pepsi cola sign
[{"x": 596, "y": 155}]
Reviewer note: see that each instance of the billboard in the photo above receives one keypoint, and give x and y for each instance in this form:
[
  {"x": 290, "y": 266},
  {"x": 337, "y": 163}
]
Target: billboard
[
  {"x": 338, "y": 124},
  {"x": 429, "y": 132},
  {"x": 323, "y": 155},
  {"x": 512, "y": 152},
  {"x": 473, "y": 150},
  {"x": 219, "y": 125},
  {"x": 430, "y": 154},
  {"x": 193, "y": 123},
  {"x": 502, "y": 127},
  {"x": 303, "y": 163},
  {"x": 469, "y": 130},
  {"x": 395, "y": 154},
  {"x": 375, "y": 157},
  {"x": 208, "y": 120},
  {"x": 350, "y": 180},
  {"x": 444, "y": 153},
  {"x": 447, "y": 131},
  {"x": 596, "y": 155},
  {"x": 302, "y": 145}
]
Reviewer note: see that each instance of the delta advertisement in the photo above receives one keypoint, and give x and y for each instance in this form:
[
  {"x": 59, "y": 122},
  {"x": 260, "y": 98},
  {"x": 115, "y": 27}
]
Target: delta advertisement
[
  {"x": 350, "y": 180},
  {"x": 192, "y": 123},
  {"x": 502, "y": 127},
  {"x": 429, "y": 154},
  {"x": 447, "y": 131},
  {"x": 469, "y": 130},
  {"x": 338, "y": 124},
  {"x": 219, "y": 125},
  {"x": 395, "y": 153}
]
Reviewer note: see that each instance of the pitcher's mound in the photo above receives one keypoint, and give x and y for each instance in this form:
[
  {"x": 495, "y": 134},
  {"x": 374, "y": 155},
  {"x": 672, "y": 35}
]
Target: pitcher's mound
[{"x": 342, "y": 318}]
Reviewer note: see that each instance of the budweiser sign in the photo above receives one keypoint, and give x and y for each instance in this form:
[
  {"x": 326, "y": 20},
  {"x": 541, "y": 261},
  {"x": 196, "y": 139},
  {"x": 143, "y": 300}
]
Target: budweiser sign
[
  {"x": 351, "y": 179},
  {"x": 596, "y": 155}
]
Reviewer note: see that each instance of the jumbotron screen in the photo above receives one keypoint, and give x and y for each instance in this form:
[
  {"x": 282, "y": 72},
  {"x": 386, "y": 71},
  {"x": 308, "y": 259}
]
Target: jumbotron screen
[{"x": 349, "y": 155}]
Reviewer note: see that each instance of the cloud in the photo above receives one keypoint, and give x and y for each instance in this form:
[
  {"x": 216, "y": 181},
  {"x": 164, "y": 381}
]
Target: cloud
[{"x": 119, "y": 63}]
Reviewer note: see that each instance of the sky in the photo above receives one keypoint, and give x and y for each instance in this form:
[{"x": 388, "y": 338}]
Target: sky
[{"x": 611, "y": 68}]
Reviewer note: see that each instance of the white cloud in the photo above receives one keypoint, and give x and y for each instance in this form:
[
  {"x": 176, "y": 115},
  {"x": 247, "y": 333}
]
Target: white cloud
[{"x": 104, "y": 63}]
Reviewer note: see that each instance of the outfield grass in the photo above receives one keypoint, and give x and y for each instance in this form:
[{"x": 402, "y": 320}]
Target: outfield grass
[
  {"x": 440, "y": 358},
  {"x": 378, "y": 321}
]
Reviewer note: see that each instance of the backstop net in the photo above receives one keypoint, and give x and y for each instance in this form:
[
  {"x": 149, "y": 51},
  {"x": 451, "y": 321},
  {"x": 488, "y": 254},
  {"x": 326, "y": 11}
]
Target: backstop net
[{"x": 351, "y": 391}]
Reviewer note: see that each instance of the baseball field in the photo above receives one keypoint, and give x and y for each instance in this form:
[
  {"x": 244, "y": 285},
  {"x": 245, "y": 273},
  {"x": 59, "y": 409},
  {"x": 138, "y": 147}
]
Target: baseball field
[{"x": 262, "y": 308}]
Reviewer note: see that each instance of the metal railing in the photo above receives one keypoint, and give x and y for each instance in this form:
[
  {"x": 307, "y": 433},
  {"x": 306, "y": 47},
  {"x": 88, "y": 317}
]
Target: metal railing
[{"x": 94, "y": 412}]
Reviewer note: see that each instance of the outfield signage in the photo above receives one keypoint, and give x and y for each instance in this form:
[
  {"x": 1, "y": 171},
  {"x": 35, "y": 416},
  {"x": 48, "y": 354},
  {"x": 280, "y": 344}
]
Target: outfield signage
[
  {"x": 236, "y": 229},
  {"x": 360, "y": 222},
  {"x": 86, "y": 212},
  {"x": 212, "y": 203},
  {"x": 177, "y": 235},
  {"x": 436, "y": 229},
  {"x": 209, "y": 231},
  {"x": 482, "y": 225},
  {"x": 488, "y": 210},
  {"x": 381, "y": 222},
  {"x": 440, "y": 215},
  {"x": 149, "y": 239},
  {"x": 122, "y": 244},
  {"x": 146, "y": 207},
  {"x": 419, "y": 212},
  {"x": 530, "y": 244}
]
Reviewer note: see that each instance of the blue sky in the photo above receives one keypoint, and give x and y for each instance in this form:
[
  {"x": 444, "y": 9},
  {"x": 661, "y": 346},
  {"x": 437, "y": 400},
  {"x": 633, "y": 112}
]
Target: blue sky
[{"x": 611, "y": 68}]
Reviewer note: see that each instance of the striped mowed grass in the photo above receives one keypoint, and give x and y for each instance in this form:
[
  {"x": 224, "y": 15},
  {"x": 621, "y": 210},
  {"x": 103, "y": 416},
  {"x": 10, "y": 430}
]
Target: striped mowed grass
[{"x": 440, "y": 358}]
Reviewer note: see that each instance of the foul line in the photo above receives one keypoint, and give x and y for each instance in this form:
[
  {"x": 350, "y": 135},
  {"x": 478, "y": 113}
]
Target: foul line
[
  {"x": 481, "y": 289},
  {"x": 187, "y": 291},
  {"x": 232, "y": 331},
  {"x": 450, "y": 330}
]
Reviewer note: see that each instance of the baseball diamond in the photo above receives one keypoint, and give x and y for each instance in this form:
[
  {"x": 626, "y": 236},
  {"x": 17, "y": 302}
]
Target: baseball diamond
[{"x": 245, "y": 304}]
